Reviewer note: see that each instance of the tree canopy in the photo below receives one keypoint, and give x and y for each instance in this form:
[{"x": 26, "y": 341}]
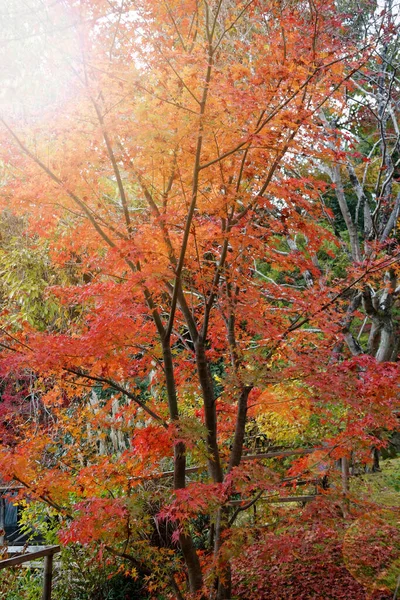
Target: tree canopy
[{"x": 199, "y": 282}]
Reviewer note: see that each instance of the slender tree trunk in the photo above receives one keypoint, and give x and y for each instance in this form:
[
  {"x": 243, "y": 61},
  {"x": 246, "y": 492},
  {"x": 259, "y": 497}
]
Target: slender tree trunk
[
  {"x": 206, "y": 384},
  {"x": 351, "y": 226},
  {"x": 237, "y": 446},
  {"x": 224, "y": 580},
  {"x": 375, "y": 460},
  {"x": 188, "y": 550}
]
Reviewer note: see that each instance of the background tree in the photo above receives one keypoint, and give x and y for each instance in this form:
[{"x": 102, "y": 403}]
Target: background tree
[{"x": 365, "y": 140}]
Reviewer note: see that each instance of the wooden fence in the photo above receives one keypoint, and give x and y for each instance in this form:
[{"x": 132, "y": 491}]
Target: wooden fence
[{"x": 44, "y": 552}]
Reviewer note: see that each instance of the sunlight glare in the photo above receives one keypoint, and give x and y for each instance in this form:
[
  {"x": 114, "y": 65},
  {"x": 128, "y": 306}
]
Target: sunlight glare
[{"x": 38, "y": 46}]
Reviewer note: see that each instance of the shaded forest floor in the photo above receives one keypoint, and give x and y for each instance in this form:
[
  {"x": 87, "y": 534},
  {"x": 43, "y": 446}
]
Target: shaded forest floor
[
  {"x": 383, "y": 487},
  {"x": 321, "y": 553}
]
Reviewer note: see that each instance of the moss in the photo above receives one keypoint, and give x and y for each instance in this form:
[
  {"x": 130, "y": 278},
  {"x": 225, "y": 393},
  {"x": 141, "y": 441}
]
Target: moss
[{"x": 382, "y": 488}]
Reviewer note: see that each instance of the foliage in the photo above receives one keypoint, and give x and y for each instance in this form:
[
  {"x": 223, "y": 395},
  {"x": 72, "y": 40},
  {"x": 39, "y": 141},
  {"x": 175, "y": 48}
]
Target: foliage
[
  {"x": 180, "y": 278},
  {"x": 24, "y": 279},
  {"x": 306, "y": 562},
  {"x": 21, "y": 583}
]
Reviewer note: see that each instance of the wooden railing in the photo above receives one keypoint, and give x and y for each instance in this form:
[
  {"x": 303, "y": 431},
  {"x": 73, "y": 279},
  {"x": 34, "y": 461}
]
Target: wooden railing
[{"x": 46, "y": 552}]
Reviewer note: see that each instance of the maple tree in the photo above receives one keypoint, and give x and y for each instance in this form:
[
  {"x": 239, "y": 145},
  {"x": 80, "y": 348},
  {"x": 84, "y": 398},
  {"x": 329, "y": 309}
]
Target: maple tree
[{"x": 179, "y": 223}]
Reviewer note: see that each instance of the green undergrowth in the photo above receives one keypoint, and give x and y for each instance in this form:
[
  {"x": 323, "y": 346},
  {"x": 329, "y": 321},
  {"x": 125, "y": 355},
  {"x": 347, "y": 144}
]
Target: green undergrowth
[{"x": 381, "y": 487}]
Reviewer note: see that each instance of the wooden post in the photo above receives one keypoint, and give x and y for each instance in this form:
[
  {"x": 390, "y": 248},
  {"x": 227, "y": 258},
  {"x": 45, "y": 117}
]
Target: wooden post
[
  {"x": 345, "y": 486},
  {"x": 345, "y": 474},
  {"x": 2, "y": 520},
  {"x": 44, "y": 551},
  {"x": 47, "y": 577}
]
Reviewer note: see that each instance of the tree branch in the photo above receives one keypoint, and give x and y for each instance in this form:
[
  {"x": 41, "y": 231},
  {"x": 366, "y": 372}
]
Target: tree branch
[{"x": 118, "y": 388}]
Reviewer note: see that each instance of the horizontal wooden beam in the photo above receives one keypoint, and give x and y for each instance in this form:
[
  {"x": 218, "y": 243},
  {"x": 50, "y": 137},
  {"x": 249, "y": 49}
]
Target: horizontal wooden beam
[
  {"x": 290, "y": 499},
  {"x": 19, "y": 560},
  {"x": 280, "y": 453},
  {"x": 245, "y": 457},
  {"x": 11, "y": 488},
  {"x": 275, "y": 499},
  {"x": 22, "y": 549}
]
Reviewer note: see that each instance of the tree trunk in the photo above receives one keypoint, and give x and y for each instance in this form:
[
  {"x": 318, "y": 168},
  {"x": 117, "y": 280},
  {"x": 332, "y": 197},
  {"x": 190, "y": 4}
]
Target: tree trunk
[
  {"x": 206, "y": 384},
  {"x": 224, "y": 579},
  {"x": 188, "y": 550}
]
